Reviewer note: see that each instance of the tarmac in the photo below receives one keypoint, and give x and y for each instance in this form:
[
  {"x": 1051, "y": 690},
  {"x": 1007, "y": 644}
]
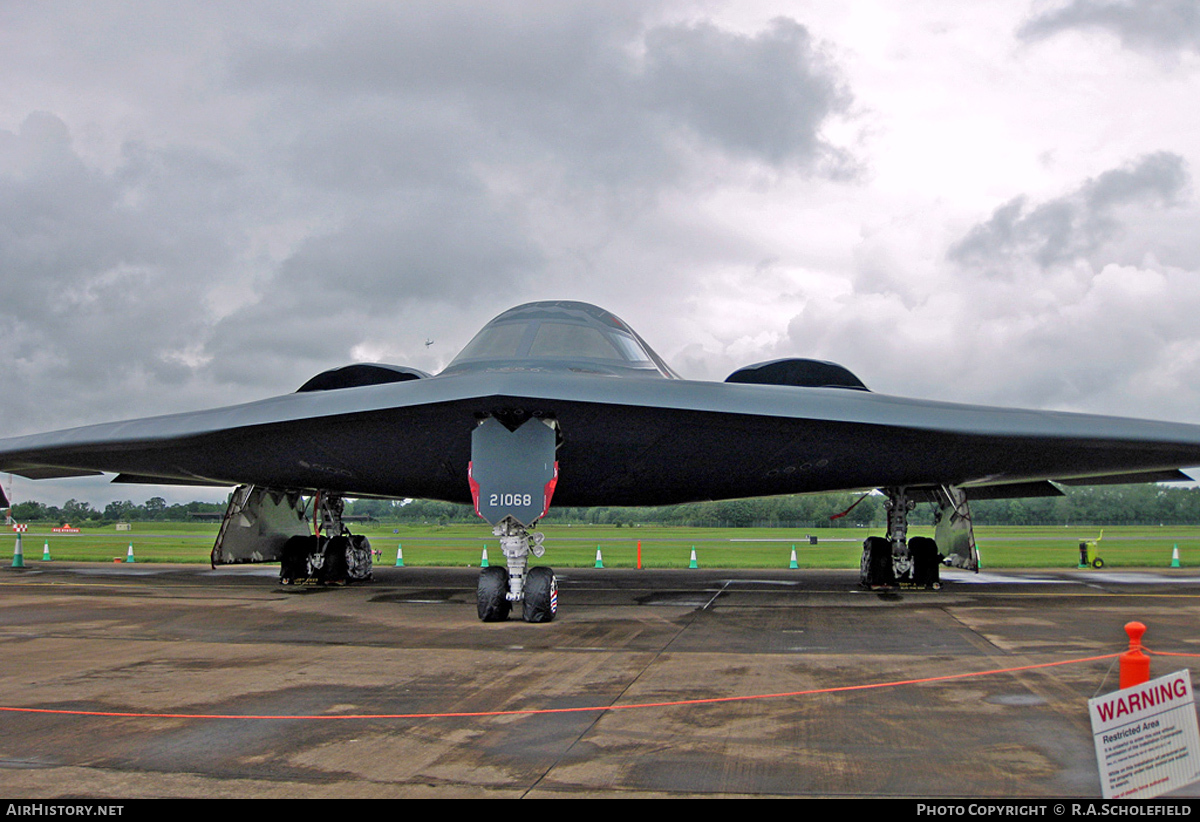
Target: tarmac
[{"x": 181, "y": 681}]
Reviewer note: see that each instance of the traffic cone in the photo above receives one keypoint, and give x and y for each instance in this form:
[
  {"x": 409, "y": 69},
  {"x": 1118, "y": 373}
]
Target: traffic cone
[
  {"x": 1175, "y": 556},
  {"x": 484, "y": 562},
  {"x": 18, "y": 557},
  {"x": 793, "y": 563},
  {"x": 399, "y": 555},
  {"x": 46, "y": 551},
  {"x": 129, "y": 555},
  {"x": 693, "y": 563},
  {"x": 599, "y": 559}
]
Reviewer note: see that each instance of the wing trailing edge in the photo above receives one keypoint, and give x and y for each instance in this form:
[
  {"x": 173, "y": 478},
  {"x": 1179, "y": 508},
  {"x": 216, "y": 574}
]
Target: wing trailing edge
[
  {"x": 39, "y": 472},
  {"x": 1173, "y": 475},
  {"x": 147, "y": 479}
]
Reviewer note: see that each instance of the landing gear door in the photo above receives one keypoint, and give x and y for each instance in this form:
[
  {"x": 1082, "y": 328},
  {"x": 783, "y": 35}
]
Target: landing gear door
[
  {"x": 954, "y": 534},
  {"x": 512, "y": 473},
  {"x": 257, "y": 524}
]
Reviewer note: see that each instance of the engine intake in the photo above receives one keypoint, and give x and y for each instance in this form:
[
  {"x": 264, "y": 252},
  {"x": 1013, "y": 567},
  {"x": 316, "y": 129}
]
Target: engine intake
[
  {"x": 359, "y": 374},
  {"x": 799, "y": 372}
]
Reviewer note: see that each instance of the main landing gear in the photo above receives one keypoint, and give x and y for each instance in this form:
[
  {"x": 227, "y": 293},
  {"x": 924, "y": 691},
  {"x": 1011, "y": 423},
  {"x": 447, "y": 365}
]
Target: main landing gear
[
  {"x": 334, "y": 557},
  {"x": 271, "y": 525},
  {"x": 536, "y": 588},
  {"x": 896, "y": 560}
]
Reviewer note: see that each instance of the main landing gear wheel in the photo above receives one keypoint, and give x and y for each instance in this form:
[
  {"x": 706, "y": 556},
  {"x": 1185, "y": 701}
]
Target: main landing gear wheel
[
  {"x": 491, "y": 594},
  {"x": 541, "y": 595},
  {"x": 293, "y": 563}
]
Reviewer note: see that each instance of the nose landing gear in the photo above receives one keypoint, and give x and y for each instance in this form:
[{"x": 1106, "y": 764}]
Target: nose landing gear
[
  {"x": 512, "y": 474},
  {"x": 536, "y": 589}
]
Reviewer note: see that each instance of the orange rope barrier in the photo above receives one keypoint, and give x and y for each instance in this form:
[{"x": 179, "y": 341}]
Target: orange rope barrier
[
  {"x": 594, "y": 708},
  {"x": 1167, "y": 653}
]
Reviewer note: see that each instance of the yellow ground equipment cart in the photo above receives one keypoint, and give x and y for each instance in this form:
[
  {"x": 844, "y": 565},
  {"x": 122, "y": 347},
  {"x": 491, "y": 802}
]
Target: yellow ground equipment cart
[{"x": 1089, "y": 552}]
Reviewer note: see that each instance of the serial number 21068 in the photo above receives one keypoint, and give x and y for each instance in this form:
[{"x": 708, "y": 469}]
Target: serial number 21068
[{"x": 510, "y": 499}]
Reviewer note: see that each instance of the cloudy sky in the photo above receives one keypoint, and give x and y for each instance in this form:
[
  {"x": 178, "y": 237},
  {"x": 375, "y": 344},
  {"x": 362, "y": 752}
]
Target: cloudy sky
[{"x": 208, "y": 203}]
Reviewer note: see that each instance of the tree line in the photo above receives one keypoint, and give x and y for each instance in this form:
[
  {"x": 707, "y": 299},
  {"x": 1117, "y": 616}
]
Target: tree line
[
  {"x": 1099, "y": 505},
  {"x": 75, "y": 512}
]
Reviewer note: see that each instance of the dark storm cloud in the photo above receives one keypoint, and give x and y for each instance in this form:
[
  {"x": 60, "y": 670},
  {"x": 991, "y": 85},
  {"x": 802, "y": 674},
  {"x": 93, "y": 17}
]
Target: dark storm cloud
[
  {"x": 415, "y": 251},
  {"x": 428, "y": 49},
  {"x": 764, "y": 96},
  {"x": 1147, "y": 25},
  {"x": 1075, "y": 225},
  {"x": 103, "y": 273},
  {"x": 338, "y": 287},
  {"x": 591, "y": 88}
]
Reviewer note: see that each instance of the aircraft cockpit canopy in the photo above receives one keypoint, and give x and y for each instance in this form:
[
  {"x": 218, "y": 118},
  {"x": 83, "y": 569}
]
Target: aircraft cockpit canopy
[{"x": 561, "y": 335}]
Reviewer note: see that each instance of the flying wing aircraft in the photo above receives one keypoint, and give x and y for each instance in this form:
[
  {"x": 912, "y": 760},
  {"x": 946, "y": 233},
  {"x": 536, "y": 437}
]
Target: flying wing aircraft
[{"x": 563, "y": 400}]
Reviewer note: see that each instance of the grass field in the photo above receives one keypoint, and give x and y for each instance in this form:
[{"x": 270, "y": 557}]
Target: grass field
[{"x": 662, "y": 547}]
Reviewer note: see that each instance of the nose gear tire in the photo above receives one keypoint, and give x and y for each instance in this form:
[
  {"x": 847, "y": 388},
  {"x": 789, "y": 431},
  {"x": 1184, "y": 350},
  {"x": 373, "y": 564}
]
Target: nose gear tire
[
  {"x": 490, "y": 594},
  {"x": 541, "y": 595}
]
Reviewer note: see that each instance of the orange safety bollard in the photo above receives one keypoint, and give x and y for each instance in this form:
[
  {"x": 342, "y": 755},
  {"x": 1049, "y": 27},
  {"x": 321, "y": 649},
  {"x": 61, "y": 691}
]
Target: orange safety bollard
[
  {"x": 1135, "y": 665},
  {"x": 639, "y": 553}
]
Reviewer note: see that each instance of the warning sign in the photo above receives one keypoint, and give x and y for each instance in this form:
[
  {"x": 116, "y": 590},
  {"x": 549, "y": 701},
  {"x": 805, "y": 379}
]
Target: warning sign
[{"x": 1146, "y": 738}]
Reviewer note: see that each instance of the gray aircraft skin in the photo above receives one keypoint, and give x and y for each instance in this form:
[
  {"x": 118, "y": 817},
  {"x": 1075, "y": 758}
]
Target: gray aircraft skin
[{"x": 629, "y": 430}]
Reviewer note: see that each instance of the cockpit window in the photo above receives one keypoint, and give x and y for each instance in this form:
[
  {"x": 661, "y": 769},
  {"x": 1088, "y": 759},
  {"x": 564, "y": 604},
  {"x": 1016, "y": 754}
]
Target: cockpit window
[
  {"x": 563, "y": 334},
  {"x": 552, "y": 340},
  {"x": 630, "y": 349},
  {"x": 495, "y": 342},
  {"x": 569, "y": 340}
]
